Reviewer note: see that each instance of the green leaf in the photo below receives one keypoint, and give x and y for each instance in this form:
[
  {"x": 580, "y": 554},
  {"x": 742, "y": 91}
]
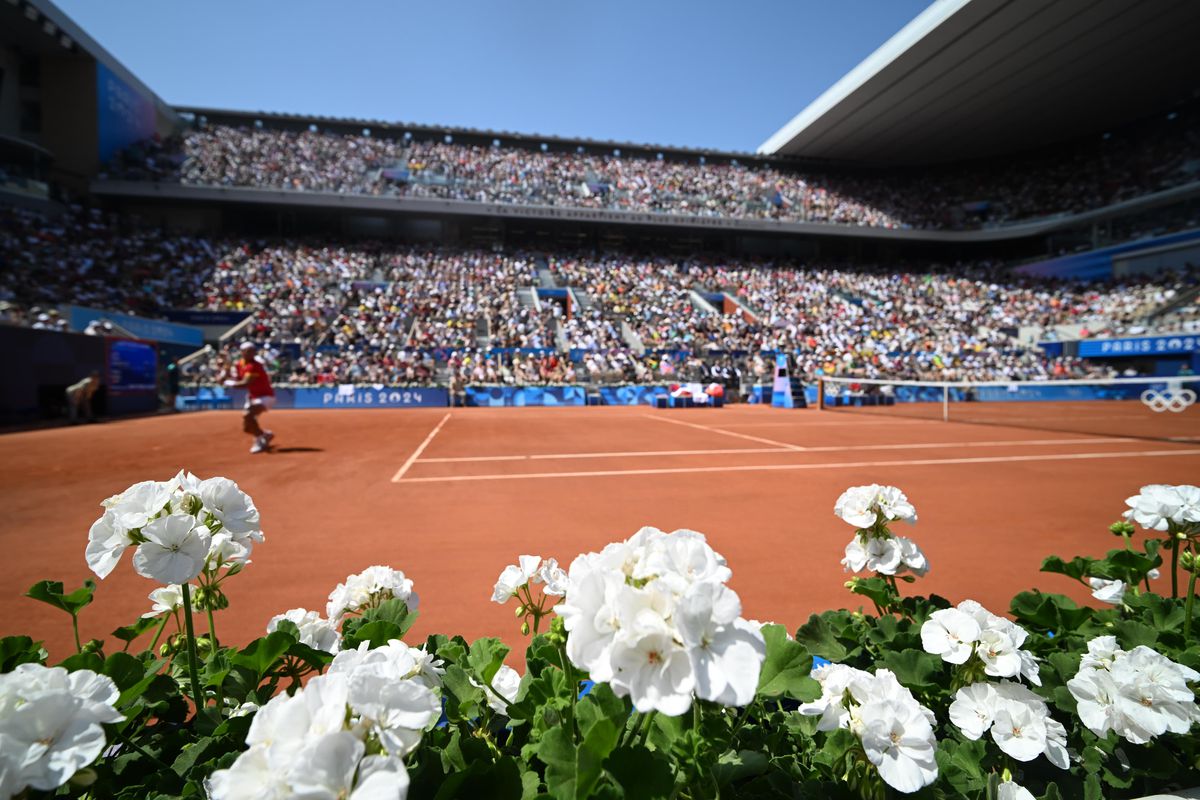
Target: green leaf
[
  {"x": 1132, "y": 633},
  {"x": 486, "y": 657},
  {"x": 820, "y": 638},
  {"x": 51, "y": 593},
  {"x": 875, "y": 588},
  {"x": 641, "y": 774},
  {"x": 1078, "y": 568},
  {"x": 261, "y": 655},
  {"x": 463, "y": 698},
  {"x": 744, "y": 764},
  {"x": 572, "y": 772},
  {"x": 787, "y": 668},
  {"x": 16, "y": 650},
  {"x": 1052, "y": 612},
  {"x": 127, "y": 633},
  {"x": 395, "y": 611},
  {"x": 915, "y": 669}
]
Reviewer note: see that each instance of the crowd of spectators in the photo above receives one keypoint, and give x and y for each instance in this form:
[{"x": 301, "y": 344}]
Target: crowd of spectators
[
  {"x": 1072, "y": 177},
  {"x": 382, "y": 312}
]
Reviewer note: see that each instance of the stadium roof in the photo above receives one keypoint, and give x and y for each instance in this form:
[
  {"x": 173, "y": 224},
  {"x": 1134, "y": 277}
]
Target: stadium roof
[{"x": 974, "y": 78}]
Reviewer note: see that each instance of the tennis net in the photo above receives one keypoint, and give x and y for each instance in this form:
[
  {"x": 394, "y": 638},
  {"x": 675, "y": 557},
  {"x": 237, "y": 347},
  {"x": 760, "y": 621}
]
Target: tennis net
[{"x": 1143, "y": 408}]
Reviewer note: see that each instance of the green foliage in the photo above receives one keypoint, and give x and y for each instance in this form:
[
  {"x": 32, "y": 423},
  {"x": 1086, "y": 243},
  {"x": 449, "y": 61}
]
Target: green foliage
[{"x": 552, "y": 742}]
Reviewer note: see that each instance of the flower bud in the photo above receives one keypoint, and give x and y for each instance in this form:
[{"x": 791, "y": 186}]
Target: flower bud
[
  {"x": 93, "y": 646},
  {"x": 524, "y": 628},
  {"x": 84, "y": 777},
  {"x": 1121, "y": 528},
  {"x": 1187, "y": 561},
  {"x": 520, "y": 611}
]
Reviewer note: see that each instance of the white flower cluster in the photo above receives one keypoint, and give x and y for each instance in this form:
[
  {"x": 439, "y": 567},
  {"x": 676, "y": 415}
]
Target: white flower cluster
[
  {"x": 1159, "y": 505},
  {"x": 315, "y": 631},
  {"x": 874, "y": 548},
  {"x": 368, "y": 589},
  {"x": 652, "y": 616},
  {"x": 344, "y": 734},
  {"x": 895, "y": 730},
  {"x": 864, "y": 506},
  {"x": 530, "y": 569},
  {"x": 1139, "y": 694},
  {"x": 956, "y": 634},
  {"x": 180, "y": 527},
  {"x": 1018, "y": 719},
  {"x": 50, "y": 725}
]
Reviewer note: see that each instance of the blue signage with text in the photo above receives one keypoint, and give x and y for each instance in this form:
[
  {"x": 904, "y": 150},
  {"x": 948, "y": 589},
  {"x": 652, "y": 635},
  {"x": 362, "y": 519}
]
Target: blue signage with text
[{"x": 1140, "y": 346}]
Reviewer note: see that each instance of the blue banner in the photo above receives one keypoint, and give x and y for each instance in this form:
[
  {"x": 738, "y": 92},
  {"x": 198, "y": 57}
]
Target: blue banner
[
  {"x": 525, "y": 395},
  {"x": 153, "y": 329},
  {"x": 632, "y": 395},
  {"x": 1140, "y": 346},
  {"x": 371, "y": 397},
  {"x": 198, "y": 317}
]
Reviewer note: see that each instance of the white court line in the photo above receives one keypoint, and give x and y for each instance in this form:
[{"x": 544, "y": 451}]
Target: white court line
[
  {"x": 833, "y": 465},
  {"x": 420, "y": 449},
  {"x": 756, "y": 450},
  {"x": 784, "y": 445}
]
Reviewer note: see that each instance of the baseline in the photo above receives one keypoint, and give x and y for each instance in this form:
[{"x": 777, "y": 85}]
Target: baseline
[{"x": 827, "y": 465}]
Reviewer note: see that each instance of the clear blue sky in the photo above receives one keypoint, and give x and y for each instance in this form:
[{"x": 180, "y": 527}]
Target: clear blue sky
[{"x": 695, "y": 73}]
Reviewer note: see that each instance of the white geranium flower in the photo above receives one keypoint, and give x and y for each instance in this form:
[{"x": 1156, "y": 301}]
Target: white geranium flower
[
  {"x": 898, "y": 739},
  {"x": 167, "y": 599},
  {"x": 912, "y": 556},
  {"x": 998, "y": 652},
  {"x": 836, "y": 680},
  {"x": 315, "y": 631},
  {"x": 951, "y": 634},
  {"x": 856, "y": 505},
  {"x": 655, "y": 672},
  {"x": 505, "y": 683},
  {"x": 141, "y": 503},
  {"x": 893, "y": 505},
  {"x": 515, "y": 576},
  {"x": 368, "y": 588},
  {"x": 1154, "y": 507},
  {"x": 175, "y": 549},
  {"x": 50, "y": 724},
  {"x": 257, "y": 774},
  {"x": 1008, "y": 790},
  {"x": 552, "y": 577},
  {"x": 1106, "y": 591},
  {"x": 1188, "y": 510},
  {"x": 107, "y": 541},
  {"x": 726, "y": 653},
  {"x": 381, "y": 778},
  {"x": 236, "y": 511}
]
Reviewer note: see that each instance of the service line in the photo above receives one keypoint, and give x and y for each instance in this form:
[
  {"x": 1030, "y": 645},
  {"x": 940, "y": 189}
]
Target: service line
[
  {"x": 826, "y": 465},
  {"x": 783, "y": 445},
  {"x": 420, "y": 449},
  {"x": 759, "y": 450}
]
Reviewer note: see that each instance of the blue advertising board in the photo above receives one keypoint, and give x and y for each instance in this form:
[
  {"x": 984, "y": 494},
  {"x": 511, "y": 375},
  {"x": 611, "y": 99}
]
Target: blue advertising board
[
  {"x": 155, "y": 330},
  {"x": 124, "y": 114},
  {"x": 132, "y": 366},
  {"x": 1139, "y": 346},
  {"x": 525, "y": 396},
  {"x": 189, "y": 316},
  {"x": 353, "y": 397}
]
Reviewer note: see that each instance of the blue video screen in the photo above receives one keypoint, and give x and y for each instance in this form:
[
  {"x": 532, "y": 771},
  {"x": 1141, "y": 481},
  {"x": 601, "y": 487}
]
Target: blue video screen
[{"x": 132, "y": 366}]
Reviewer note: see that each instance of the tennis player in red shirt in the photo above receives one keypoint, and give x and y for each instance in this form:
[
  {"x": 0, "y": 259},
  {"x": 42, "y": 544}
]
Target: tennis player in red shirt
[{"x": 251, "y": 374}]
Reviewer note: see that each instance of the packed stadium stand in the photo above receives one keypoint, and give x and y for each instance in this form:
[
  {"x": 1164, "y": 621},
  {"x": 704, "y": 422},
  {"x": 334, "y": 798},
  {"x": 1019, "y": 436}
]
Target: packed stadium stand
[{"x": 399, "y": 254}]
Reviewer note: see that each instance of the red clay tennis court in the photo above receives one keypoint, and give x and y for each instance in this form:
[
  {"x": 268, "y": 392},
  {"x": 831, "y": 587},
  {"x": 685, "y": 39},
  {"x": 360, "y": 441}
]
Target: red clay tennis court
[{"x": 453, "y": 495}]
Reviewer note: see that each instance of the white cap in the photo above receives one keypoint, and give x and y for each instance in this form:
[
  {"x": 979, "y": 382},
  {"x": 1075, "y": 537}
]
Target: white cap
[{"x": 247, "y": 346}]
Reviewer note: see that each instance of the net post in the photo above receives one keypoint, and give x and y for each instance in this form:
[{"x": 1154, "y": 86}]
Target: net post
[
  {"x": 820, "y": 394},
  {"x": 945, "y": 404}
]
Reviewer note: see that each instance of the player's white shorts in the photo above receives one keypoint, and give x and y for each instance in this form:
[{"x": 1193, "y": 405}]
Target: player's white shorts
[{"x": 267, "y": 402}]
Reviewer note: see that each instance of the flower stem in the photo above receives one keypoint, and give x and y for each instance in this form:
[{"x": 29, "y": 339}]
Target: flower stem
[
  {"x": 1174, "y": 565},
  {"x": 75, "y": 630},
  {"x": 193, "y": 671},
  {"x": 158, "y": 633},
  {"x": 1187, "y": 608},
  {"x": 212, "y": 627}
]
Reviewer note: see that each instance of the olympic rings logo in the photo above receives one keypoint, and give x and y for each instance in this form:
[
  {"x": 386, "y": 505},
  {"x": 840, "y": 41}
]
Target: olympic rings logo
[{"x": 1174, "y": 400}]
